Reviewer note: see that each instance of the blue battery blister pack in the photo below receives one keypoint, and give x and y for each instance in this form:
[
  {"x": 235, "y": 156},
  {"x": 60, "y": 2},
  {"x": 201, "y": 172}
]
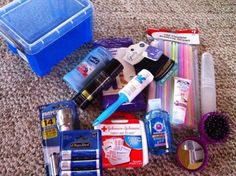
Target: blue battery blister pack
[
  {"x": 54, "y": 118},
  {"x": 80, "y": 153}
]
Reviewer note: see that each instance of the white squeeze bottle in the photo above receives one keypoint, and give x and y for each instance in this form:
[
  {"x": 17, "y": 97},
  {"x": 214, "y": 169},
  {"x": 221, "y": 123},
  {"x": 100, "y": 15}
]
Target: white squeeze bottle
[{"x": 208, "y": 87}]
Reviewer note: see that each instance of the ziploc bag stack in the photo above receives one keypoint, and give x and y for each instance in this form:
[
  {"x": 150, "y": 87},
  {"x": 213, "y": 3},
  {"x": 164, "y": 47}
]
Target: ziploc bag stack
[
  {"x": 181, "y": 47},
  {"x": 124, "y": 141},
  {"x": 81, "y": 153}
]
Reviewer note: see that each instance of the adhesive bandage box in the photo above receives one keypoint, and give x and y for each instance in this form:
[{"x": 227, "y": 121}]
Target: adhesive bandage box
[{"x": 124, "y": 141}]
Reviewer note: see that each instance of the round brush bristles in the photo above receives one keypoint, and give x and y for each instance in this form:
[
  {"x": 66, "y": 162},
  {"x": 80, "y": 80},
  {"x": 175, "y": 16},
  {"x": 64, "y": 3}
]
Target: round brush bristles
[{"x": 216, "y": 126}]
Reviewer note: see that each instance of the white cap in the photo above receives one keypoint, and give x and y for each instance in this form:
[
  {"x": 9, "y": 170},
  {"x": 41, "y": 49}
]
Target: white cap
[
  {"x": 208, "y": 88},
  {"x": 154, "y": 104},
  {"x": 207, "y": 71}
]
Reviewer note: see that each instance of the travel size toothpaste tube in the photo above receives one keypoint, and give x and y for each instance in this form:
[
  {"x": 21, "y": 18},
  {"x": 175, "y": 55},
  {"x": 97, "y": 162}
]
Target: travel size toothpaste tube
[
  {"x": 81, "y": 173},
  {"x": 80, "y": 165},
  {"x": 181, "y": 92},
  {"x": 79, "y": 154}
]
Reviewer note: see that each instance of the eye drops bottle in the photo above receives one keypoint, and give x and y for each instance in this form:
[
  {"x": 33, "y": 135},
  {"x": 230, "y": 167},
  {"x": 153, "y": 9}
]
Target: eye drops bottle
[
  {"x": 91, "y": 65},
  {"x": 98, "y": 84},
  {"x": 158, "y": 129}
]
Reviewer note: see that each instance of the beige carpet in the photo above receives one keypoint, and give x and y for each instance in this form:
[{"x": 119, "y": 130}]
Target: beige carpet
[{"x": 21, "y": 92}]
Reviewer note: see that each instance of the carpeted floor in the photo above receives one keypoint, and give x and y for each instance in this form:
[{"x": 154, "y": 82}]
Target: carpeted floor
[{"x": 21, "y": 92}]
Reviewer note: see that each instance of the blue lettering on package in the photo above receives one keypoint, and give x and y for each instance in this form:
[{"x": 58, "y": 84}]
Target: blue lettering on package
[
  {"x": 134, "y": 142},
  {"x": 94, "y": 60},
  {"x": 140, "y": 79},
  {"x": 80, "y": 140},
  {"x": 153, "y": 53}
]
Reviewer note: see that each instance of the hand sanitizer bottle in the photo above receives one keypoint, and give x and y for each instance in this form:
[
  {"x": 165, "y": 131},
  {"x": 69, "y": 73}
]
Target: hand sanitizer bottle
[{"x": 158, "y": 129}]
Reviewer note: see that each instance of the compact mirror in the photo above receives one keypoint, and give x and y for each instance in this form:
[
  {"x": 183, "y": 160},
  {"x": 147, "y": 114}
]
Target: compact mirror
[{"x": 192, "y": 154}]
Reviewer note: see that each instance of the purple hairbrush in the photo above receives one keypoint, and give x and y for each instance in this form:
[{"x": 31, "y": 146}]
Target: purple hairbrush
[
  {"x": 191, "y": 152},
  {"x": 214, "y": 127}
]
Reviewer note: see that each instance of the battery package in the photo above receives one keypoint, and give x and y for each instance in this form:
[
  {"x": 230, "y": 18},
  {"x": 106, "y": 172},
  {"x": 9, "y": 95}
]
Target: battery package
[
  {"x": 53, "y": 118},
  {"x": 124, "y": 143},
  {"x": 80, "y": 152},
  {"x": 81, "y": 173}
]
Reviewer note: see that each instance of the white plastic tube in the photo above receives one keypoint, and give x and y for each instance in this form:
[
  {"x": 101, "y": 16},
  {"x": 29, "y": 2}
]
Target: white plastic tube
[
  {"x": 208, "y": 87},
  {"x": 137, "y": 84}
]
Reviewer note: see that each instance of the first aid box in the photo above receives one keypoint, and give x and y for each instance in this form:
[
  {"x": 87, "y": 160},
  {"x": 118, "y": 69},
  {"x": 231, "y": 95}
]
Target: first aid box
[
  {"x": 43, "y": 32},
  {"x": 124, "y": 143}
]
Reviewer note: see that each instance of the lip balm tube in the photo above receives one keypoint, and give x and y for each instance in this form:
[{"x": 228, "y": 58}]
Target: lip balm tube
[
  {"x": 81, "y": 173},
  {"x": 79, "y": 154},
  {"x": 64, "y": 120},
  {"x": 181, "y": 93},
  {"x": 80, "y": 165}
]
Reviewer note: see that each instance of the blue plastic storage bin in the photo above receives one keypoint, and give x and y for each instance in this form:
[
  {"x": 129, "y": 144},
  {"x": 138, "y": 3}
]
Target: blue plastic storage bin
[{"x": 43, "y": 32}]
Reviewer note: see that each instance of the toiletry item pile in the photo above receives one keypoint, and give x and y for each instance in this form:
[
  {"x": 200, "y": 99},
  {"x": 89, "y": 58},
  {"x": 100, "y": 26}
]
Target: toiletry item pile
[{"x": 121, "y": 73}]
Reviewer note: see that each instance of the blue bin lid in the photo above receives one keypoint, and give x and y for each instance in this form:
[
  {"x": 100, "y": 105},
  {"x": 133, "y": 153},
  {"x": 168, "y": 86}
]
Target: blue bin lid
[{"x": 31, "y": 25}]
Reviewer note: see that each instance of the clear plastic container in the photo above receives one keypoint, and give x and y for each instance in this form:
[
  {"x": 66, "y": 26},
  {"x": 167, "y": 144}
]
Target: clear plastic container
[
  {"x": 43, "y": 32},
  {"x": 208, "y": 85}
]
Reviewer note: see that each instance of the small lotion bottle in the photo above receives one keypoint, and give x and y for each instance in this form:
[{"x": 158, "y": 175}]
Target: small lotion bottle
[{"x": 158, "y": 129}]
